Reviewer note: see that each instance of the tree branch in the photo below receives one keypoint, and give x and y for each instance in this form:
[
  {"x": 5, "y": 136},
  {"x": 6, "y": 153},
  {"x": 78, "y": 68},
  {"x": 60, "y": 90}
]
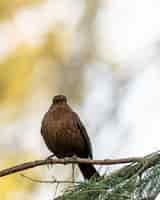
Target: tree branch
[{"x": 64, "y": 161}]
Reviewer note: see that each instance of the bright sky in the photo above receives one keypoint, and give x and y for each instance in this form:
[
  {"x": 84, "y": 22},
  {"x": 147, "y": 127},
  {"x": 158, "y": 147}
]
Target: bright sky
[{"x": 128, "y": 26}]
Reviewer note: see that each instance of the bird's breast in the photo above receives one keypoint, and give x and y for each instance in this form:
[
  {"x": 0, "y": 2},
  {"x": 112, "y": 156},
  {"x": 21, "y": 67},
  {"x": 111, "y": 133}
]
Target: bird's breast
[{"x": 62, "y": 135}]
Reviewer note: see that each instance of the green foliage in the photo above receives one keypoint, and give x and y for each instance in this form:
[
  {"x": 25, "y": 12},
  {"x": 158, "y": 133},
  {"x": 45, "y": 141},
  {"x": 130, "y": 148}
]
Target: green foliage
[{"x": 136, "y": 181}]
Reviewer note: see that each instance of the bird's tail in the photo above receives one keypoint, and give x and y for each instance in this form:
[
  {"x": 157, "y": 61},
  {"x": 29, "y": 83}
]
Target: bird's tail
[{"x": 88, "y": 170}]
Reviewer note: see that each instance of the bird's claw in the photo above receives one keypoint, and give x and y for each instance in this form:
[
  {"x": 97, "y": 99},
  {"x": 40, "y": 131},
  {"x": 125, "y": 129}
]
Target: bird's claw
[
  {"x": 70, "y": 159},
  {"x": 74, "y": 157},
  {"x": 50, "y": 157}
]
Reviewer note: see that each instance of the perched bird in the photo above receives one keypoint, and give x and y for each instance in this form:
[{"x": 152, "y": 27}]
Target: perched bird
[{"x": 65, "y": 135}]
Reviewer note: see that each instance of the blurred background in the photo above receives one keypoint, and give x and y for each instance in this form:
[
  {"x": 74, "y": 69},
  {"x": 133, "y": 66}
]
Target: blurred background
[{"x": 103, "y": 54}]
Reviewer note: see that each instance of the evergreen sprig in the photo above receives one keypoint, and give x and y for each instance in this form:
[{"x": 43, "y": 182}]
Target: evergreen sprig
[{"x": 136, "y": 181}]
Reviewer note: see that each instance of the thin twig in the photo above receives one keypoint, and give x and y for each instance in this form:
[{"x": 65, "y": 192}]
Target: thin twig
[
  {"x": 32, "y": 164},
  {"x": 48, "y": 181}
]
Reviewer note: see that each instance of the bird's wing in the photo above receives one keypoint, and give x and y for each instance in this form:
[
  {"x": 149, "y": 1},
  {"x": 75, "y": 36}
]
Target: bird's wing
[
  {"x": 44, "y": 133},
  {"x": 85, "y": 136}
]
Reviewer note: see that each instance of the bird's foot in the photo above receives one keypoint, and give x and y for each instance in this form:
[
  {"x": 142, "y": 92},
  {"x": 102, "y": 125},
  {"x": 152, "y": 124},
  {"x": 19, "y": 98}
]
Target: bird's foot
[
  {"x": 74, "y": 157},
  {"x": 71, "y": 159}
]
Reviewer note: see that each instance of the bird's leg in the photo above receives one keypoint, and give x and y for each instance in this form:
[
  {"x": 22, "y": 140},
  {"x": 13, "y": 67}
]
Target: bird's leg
[{"x": 50, "y": 158}]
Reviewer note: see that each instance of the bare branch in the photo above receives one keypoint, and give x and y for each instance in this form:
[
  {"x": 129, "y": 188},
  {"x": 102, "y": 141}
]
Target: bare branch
[{"x": 64, "y": 161}]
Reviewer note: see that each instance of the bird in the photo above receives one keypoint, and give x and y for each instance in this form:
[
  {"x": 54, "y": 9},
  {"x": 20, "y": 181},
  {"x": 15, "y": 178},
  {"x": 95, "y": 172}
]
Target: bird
[{"x": 65, "y": 135}]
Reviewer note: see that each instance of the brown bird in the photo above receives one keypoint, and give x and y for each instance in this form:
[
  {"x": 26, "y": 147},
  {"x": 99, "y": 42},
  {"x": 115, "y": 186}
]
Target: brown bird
[{"x": 65, "y": 135}]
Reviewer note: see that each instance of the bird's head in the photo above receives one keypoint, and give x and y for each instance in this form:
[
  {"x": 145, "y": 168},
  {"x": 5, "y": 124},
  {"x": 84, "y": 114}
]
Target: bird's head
[{"x": 58, "y": 99}]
